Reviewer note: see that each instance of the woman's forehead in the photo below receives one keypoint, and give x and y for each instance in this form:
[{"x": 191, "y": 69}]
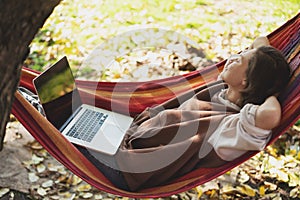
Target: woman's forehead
[{"x": 247, "y": 54}]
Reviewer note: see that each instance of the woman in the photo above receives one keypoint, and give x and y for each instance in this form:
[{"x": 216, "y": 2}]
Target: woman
[{"x": 215, "y": 125}]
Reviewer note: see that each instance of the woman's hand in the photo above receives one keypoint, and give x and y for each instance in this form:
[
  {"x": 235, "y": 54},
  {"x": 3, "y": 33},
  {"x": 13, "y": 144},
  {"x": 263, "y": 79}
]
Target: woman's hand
[
  {"x": 260, "y": 41},
  {"x": 268, "y": 114}
]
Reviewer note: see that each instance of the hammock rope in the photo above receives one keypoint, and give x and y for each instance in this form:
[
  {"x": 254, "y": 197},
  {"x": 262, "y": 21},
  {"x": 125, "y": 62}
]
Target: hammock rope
[{"x": 133, "y": 97}]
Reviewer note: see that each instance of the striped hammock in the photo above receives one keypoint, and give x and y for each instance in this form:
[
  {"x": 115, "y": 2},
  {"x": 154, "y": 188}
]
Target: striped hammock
[{"x": 132, "y": 98}]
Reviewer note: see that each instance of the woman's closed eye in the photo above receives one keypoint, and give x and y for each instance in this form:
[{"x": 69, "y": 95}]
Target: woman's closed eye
[{"x": 235, "y": 58}]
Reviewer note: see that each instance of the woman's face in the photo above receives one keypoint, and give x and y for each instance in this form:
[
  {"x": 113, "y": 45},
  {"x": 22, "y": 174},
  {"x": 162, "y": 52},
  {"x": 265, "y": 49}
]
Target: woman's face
[{"x": 234, "y": 72}]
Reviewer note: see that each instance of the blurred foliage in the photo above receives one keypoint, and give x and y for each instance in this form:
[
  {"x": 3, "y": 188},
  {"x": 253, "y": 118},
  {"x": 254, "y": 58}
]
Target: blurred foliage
[{"x": 76, "y": 27}]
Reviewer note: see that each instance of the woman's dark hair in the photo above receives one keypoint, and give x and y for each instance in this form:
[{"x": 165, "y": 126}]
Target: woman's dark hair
[{"x": 268, "y": 73}]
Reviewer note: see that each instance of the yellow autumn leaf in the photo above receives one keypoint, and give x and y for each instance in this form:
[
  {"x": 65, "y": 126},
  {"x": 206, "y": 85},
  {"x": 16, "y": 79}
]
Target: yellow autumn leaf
[
  {"x": 272, "y": 151},
  {"x": 66, "y": 195},
  {"x": 117, "y": 75},
  {"x": 247, "y": 190},
  {"x": 294, "y": 180},
  {"x": 262, "y": 190},
  {"x": 119, "y": 59},
  {"x": 293, "y": 152},
  {"x": 84, "y": 188},
  {"x": 199, "y": 192},
  {"x": 212, "y": 193},
  {"x": 76, "y": 180}
]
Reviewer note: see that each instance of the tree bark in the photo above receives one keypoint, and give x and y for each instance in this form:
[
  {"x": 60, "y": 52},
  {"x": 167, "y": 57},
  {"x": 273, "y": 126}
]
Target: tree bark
[{"x": 20, "y": 20}]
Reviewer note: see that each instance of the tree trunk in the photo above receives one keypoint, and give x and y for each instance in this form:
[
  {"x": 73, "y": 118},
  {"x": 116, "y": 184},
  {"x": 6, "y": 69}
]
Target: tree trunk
[{"x": 20, "y": 20}]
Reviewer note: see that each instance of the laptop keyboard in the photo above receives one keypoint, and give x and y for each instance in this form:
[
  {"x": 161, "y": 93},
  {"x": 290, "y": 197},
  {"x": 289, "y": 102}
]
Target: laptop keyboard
[{"x": 87, "y": 125}]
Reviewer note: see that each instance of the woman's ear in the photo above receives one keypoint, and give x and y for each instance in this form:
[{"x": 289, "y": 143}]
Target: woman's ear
[{"x": 244, "y": 82}]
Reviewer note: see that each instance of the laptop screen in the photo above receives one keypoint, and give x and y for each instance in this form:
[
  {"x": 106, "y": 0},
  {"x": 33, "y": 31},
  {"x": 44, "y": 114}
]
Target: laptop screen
[{"x": 57, "y": 92}]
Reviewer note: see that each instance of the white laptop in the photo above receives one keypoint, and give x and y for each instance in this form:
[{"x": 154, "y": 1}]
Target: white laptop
[{"x": 82, "y": 124}]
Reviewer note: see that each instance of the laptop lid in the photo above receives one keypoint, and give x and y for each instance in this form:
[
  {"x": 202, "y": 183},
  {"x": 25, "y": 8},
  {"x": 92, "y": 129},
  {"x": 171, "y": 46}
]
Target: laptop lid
[{"x": 57, "y": 92}]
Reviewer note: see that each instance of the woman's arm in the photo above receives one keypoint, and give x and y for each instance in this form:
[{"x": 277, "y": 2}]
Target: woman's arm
[{"x": 268, "y": 114}]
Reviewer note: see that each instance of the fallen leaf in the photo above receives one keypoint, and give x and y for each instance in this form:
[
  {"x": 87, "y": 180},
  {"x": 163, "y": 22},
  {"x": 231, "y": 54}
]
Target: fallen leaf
[
  {"x": 278, "y": 163},
  {"x": 62, "y": 170},
  {"x": 84, "y": 188},
  {"x": 47, "y": 184},
  {"x": 291, "y": 164},
  {"x": 271, "y": 186},
  {"x": 212, "y": 193},
  {"x": 87, "y": 195},
  {"x": 4, "y": 191},
  {"x": 294, "y": 193},
  {"x": 40, "y": 168},
  {"x": 36, "y": 146},
  {"x": 282, "y": 176},
  {"x": 33, "y": 177},
  {"x": 228, "y": 189},
  {"x": 243, "y": 177},
  {"x": 262, "y": 190},
  {"x": 41, "y": 191},
  {"x": 27, "y": 164},
  {"x": 36, "y": 159},
  {"x": 293, "y": 152},
  {"x": 211, "y": 185},
  {"x": 199, "y": 192},
  {"x": 61, "y": 179},
  {"x": 55, "y": 197},
  {"x": 247, "y": 190},
  {"x": 67, "y": 195},
  {"x": 272, "y": 196},
  {"x": 76, "y": 180},
  {"x": 43, "y": 153},
  {"x": 98, "y": 196},
  {"x": 297, "y": 128},
  {"x": 294, "y": 180}
]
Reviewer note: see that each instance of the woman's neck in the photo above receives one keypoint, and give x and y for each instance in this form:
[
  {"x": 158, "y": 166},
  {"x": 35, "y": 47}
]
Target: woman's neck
[{"x": 234, "y": 96}]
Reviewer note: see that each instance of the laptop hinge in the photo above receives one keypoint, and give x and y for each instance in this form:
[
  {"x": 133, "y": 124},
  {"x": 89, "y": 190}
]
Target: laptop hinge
[{"x": 62, "y": 128}]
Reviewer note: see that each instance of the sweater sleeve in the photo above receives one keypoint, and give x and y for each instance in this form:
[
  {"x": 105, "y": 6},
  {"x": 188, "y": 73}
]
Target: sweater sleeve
[{"x": 238, "y": 134}]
